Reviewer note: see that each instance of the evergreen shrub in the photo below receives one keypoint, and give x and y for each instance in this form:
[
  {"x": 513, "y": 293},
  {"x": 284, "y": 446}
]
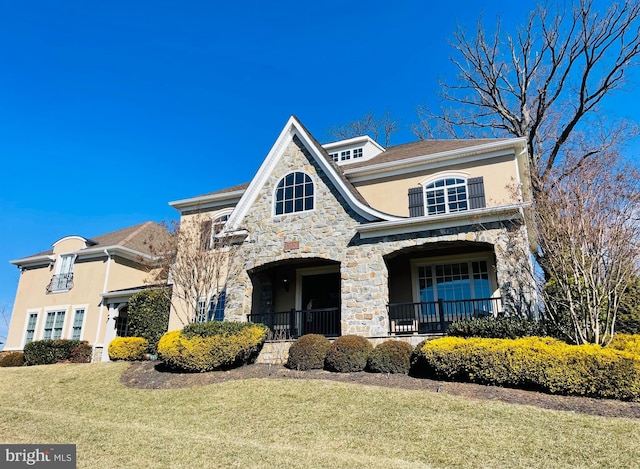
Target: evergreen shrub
[
  {"x": 128, "y": 348},
  {"x": 348, "y": 353},
  {"x": 12, "y": 359},
  {"x": 148, "y": 315},
  {"x": 532, "y": 363},
  {"x": 503, "y": 327},
  {"x": 391, "y": 356},
  {"x": 212, "y": 345},
  {"x": 47, "y": 352},
  {"x": 308, "y": 352}
]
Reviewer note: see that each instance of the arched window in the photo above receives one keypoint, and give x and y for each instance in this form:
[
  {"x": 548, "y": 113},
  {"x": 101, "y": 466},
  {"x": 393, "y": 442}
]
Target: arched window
[
  {"x": 294, "y": 193},
  {"x": 447, "y": 195}
]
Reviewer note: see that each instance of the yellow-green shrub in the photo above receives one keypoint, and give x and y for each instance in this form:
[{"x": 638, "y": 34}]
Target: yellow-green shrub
[
  {"x": 532, "y": 362},
  {"x": 205, "y": 350},
  {"x": 626, "y": 342},
  {"x": 128, "y": 348}
]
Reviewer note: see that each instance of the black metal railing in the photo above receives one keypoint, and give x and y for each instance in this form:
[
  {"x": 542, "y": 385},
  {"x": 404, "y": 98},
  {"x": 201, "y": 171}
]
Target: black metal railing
[
  {"x": 60, "y": 282},
  {"x": 295, "y": 323},
  {"x": 435, "y": 316}
]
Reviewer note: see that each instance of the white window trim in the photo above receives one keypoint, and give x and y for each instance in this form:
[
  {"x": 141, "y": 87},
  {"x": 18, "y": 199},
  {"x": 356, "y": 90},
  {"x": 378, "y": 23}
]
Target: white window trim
[
  {"x": 431, "y": 261},
  {"x": 440, "y": 176},
  {"x": 275, "y": 189},
  {"x": 84, "y": 319},
  {"x": 39, "y": 315},
  {"x": 444, "y": 175},
  {"x": 65, "y": 323}
]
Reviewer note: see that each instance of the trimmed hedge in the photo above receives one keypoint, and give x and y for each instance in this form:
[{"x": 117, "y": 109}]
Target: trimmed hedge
[
  {"x": 48, "y": 352},
  {"x": 149, "y": 315},
  {"x": 308, "y": 352},
  {"x": 12, "y": 359},
  {"x": 503, "y": 327},
  {"x": 348, "y": 353},
  {"x": 212, "y": 345},
  {"x": 128, "y": 348},
  {"x": 532, "y": 363},
  {"x": 391, "y": 356}
]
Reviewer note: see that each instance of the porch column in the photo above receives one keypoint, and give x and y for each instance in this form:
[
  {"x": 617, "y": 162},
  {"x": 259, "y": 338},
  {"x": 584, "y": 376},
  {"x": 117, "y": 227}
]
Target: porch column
[{"x": 365, "y": 292}]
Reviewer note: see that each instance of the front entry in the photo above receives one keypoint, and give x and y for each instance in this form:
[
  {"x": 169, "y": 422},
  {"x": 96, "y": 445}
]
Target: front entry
[{"x": 319, "y": 302}]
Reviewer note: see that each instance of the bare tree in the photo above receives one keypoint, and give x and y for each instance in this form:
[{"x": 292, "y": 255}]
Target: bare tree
[
  {"x": 544, "y": 82},
  {"x": 4, "y": 320},
  {"x": 197, "y": 262},
  {"x": 589, "y": 226},
  {"x": 368, "y": 124}
]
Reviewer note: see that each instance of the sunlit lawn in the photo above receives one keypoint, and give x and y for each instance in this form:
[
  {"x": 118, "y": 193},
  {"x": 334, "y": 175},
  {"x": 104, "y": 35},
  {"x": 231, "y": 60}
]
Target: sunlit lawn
[{"x": 294, "y": 423}]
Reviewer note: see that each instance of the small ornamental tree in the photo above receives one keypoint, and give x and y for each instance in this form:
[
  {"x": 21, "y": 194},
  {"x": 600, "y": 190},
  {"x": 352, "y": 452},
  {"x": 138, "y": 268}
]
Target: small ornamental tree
[{"x": 149, "y": 315}]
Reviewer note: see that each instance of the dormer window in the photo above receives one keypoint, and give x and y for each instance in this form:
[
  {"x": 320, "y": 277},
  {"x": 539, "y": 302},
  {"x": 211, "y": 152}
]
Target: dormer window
[
  {"x": 294, "y": 193},
  {"x": 345, "y": 155},
  {"x": 357, "y": 153},
  {"x": 335, "y": 156}
]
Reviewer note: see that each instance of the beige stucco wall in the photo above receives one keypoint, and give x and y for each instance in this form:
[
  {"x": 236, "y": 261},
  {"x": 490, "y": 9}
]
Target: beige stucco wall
[
  {"x": 88, "y": 285},
  {"x": 390, "y": 195}
]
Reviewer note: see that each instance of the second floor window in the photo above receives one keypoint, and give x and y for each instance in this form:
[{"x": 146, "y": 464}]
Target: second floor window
[
  {"x": 446, "y": 196},
  {"x": 294, "y": 193}
]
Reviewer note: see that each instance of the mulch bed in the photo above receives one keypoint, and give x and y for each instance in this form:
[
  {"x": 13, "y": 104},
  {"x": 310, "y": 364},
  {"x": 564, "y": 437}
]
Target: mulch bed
[{"x": 153, "y": 375}]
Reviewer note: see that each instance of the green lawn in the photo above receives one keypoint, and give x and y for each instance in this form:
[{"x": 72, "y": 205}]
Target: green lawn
[{"x": 294, "y": 423}]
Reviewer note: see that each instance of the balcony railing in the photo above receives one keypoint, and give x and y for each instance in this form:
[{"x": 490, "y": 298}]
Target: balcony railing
[
  {"x": 61, "y": 282},
  {"x": 435, "y": 316},
  {"x": 295, "y": 323}
]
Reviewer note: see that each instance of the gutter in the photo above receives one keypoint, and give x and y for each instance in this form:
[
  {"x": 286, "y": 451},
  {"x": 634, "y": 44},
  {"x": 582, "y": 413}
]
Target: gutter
[{"x": 450, "y": 220}]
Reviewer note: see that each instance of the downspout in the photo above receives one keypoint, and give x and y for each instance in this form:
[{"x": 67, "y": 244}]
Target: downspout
[{"x": 104, "y": 290}]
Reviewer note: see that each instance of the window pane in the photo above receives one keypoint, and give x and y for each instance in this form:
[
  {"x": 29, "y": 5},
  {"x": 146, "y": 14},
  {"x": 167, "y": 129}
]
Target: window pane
[
  {"x": 289, "y": 179},
  {"x": 292, "y": 193},
  {"x": 308, "y": 203}
]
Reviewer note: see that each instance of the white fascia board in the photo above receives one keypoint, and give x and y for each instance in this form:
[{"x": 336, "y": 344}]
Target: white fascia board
[
  {"x": 451, "y": 220},
  {"x": 207, "y": 201},
  {"x": 351, "y": 141},
  {"x": 287, "y": 134},
  {"x": 122, "y": 294},
  {"x": 34, "y": 261},
  {"x": 436, "y": 160},
  {"x": 121, "y": 251}
]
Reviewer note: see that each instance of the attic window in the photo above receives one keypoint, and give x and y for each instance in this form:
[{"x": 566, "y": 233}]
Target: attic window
[
  {"x": 294, "y": 193},
  {"x": 357, "y": 153},
  {"x": 345, "y": 155},
  {"x": 334, "y": 156}
]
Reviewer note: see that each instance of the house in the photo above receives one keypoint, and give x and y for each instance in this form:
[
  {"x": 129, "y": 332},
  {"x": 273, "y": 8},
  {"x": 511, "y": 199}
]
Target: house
[
  {"x": 79, "y": 288},
  {"x": 353, "y": 238}
]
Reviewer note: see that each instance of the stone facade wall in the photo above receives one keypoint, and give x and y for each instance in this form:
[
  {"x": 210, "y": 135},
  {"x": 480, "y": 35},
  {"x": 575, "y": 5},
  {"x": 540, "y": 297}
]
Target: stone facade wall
[{"x": 329, "y": 232}]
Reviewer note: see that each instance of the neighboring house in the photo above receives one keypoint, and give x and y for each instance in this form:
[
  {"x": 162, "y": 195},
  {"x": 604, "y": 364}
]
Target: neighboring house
[
  {"x": 78, "y": 289},
  {"x": 352, "y": 238}
]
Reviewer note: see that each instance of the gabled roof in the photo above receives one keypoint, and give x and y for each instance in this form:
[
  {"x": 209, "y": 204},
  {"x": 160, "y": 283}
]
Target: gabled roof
[
  {"x": 135, "y": 242},
  {"x": 294, "y": 129}
]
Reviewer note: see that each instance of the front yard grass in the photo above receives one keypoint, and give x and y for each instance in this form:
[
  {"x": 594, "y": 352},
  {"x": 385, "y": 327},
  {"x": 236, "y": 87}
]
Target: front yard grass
[{"x": 294, "y": 424}]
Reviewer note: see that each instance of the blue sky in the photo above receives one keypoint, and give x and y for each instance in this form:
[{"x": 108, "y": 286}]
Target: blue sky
[{"x": 109, "y": 110}]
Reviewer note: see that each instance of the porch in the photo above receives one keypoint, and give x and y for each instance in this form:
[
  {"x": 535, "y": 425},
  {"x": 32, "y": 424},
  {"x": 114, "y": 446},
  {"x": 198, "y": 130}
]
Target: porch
[
  {"x": 289, "y": 325},
  {"x": 436, "y": 316}
]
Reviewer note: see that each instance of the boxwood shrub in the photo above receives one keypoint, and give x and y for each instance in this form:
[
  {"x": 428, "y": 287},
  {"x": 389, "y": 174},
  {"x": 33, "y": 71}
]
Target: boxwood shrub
[
  {"x": 308, "y": 352},
  {"x": 128, "y": 348},
  {"x": 348, "y": 353},
  {"x": 47, "y": 352},
  {"x": 212, "y": 345},
  {"x": 540, "y": 363},
  {"x": 12, "y": 359},
  {"x": 391, "y": 356}
]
